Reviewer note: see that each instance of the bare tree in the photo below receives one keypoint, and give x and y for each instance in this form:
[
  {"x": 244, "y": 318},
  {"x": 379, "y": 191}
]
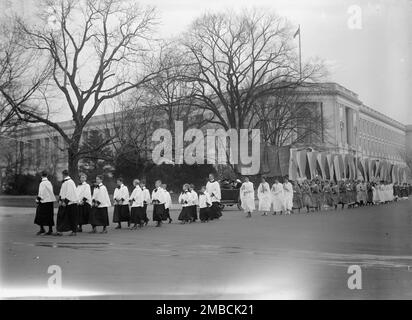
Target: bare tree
[
  {"x": 99, "y": 51},
  {"x": 20, "y": 79},
  {"x": 171, "y": 94},
  {"x": 236, "y": 59}
]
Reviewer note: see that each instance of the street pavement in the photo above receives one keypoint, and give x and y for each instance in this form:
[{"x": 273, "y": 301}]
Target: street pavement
[{"x": 301, "y": 256}]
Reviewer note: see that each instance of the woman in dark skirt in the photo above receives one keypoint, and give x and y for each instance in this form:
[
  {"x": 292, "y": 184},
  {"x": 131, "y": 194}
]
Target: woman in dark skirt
[
  {"x": 137, "y": 217},
  {"x": 194, "y": 201},
  {"x": 85, "y": 201},
  {"x": 66, "y": 218},
  {"x": 121, "y": 211},
  {"x": 99, "y": 216},
  {"x": 84, "y": 214},
  {"x": 158, "y": 201},
  {"x": 67, "y": 215},
  {"x": 205, "y": 202},
  {"x": 297, "y": 196},
  {"x": 186, "y": 215},
  {"x": 137, "y": 213},
  {"x": 45, "y": 217},
  {"x": 45, "y": 209},
  {"x": 327, "y": 195}
]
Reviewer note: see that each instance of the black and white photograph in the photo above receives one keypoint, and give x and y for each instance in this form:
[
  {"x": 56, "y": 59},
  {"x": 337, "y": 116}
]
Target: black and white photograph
[{"x": 184, "y": 151}]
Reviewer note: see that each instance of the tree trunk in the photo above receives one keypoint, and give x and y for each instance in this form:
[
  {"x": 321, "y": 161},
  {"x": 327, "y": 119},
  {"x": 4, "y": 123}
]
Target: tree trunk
[{"x": 73, "y": 161}]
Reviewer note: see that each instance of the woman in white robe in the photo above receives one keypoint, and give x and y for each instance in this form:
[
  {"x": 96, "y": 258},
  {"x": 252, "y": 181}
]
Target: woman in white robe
[
  {"x": 278, "y": 198},
  {"x": 247, "y": 197},
  {"x": 288, "y": 195},
  {"x": 265, "y": 197}
]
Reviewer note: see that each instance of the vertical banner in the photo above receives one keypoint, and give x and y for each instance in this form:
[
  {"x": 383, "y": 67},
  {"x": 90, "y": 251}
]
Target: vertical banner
[
  {"x": 274, "y": 166},
  {"x": 344, "y": 167},
  {"x": 372, "y": 169},
  {"x": 284, "y": 160},
  {"x": 329, "y": 160},
  {"x": 394, "y": 173},
  {"x": 348, "y": 169},
  {"x": 312, "y": 160},
  {"x": 264, "y": 160},
  {"x": 382, "y": 171},
  {"x": 302, "y": 161},
  {"x": 337, "y": 168},
  {"x": 390, "y": 177},
  {"x": 378, "y": 166},
  {"x": 361, "y": 167},
  {"x": 366, "y": 163},
  {"x": 293, "y": 165},
  {"x": 341, "y": 166},
  {"x": 322, "y": 164}
]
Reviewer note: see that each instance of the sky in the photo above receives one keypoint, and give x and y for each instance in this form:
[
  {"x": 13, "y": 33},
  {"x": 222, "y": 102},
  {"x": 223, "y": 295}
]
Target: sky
[{"x": 367, "y": 45}]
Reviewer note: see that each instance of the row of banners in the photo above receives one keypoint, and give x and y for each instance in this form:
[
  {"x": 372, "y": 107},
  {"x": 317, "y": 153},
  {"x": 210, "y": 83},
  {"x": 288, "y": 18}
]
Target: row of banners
[{"x": 300, "y": 165}]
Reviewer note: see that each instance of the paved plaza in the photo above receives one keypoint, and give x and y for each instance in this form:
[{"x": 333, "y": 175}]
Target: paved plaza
[{"x": 287, "y": 257}]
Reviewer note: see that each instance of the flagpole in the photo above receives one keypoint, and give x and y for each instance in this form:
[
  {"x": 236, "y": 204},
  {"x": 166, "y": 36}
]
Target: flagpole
[{"x": 300, "y": 54}]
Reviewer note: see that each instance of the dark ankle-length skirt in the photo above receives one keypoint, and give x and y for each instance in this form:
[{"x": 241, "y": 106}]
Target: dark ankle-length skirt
[
  {"x": 44, "y": 214},
  {"x": 185, "y": 214},
  {"x": 335, "y": 198},
  {"x": 99, "y": 217},
  {"x": 67, "y": 218},
  {"x": 166, "y": 214},
  {"x": 158, "y": 212},
  {"x": 84, "y": 214},
  {"x": 343, "y": 198},
  {"x": 121, "y": 213},
  {"x": 137, "y": 216},
  {"x": 307, "y": 200},
  {"x": 193, "y": 211},
  {"x": 328, "y": 199},
  {"x": 145, "y": 212},
  {"x": 317, "y": 200},
  {"x": 215, "y": 211},
  {"x": 297, "y": 201},
  {"x": 204, "y": 214},
  {"x": 369, "y": 197}
]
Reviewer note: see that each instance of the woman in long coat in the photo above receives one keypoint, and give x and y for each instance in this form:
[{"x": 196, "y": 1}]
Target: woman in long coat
[
  {"x": 316, "y": 196},
  {"x": 297, "y": 196},
  {"x": 343, "y": 199},
  {"x": 264, "y": 196}
]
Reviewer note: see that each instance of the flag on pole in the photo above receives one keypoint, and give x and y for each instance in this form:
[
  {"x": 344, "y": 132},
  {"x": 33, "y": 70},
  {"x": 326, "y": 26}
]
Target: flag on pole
[{"x": 297, "y": 33}]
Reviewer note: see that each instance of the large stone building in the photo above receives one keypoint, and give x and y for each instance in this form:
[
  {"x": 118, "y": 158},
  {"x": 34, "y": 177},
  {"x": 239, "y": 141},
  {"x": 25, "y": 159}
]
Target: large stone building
[{"x": 352, "y": 128}]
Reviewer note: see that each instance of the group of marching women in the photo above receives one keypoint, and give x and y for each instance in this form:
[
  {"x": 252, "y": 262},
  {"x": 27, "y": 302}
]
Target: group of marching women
[
  {"x": 317, "y": 194},
  {"x": 78, "y": 206}
]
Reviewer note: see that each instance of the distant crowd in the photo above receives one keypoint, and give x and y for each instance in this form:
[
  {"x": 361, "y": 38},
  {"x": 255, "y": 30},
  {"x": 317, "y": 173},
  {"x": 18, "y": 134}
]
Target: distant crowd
[{"x": 318, "y": 194}]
